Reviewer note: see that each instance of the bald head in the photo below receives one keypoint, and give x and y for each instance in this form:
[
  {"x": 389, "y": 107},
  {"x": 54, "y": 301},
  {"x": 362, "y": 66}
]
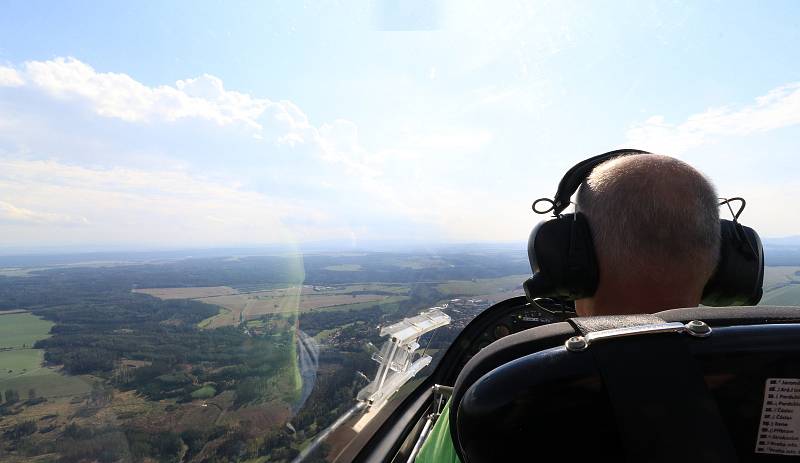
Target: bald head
[{"x": 655, "y": 226}]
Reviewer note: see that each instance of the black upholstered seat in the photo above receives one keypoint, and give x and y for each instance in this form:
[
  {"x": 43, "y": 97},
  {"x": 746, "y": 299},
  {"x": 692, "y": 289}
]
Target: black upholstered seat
[{"x": 526, "y": 396}]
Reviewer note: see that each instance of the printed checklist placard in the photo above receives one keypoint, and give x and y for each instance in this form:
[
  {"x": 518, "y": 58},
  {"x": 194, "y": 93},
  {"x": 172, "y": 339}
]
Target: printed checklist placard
[{"x": 779, "y": 432}]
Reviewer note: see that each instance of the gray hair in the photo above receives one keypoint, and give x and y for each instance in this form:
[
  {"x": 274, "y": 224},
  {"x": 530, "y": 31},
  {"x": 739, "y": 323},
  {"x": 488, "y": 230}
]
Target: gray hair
[{"x": 653, "y": 218}]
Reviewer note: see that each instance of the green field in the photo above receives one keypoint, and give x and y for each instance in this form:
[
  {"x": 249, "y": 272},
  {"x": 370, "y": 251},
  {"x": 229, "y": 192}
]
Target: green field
[
  {"x": 781, "y": 286},
  {"x": 421, "y": 263},
  {"x": 779, "y": 276},
  {"x": 22, "y": 329},
  {"x": 786, "y": 295},
  {"x": 482, "y": 286},
  {"x": 19, "y": 361},
  {"x": 344, "y": 268},
  {"x": 205, "y": 392},
  {"x": 295, "y": 378},
  {"x": 324, "y": 335},
  {"x": 255, "y": 324},
  {"x": 386, "y": 305},
  {"x": 21, "y": 367},
  {"x": 223, "y": 312},
  {"x": 395, "y": 288},
  {"x": 18, "y": 333},
  {"x": 47, "y": 383}
]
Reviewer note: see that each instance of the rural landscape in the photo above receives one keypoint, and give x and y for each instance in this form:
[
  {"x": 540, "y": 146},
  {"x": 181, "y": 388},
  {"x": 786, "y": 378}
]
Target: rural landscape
[
  {"x": 234, "y": 358},
  {"x": 274, "y": 231},
  {"x": 781, "y": 285},
  {"x": 242, "y": 358}
]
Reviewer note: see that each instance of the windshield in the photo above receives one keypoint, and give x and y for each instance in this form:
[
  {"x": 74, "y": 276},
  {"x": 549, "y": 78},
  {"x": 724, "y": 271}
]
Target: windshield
[{"x": 217, "y": 217}]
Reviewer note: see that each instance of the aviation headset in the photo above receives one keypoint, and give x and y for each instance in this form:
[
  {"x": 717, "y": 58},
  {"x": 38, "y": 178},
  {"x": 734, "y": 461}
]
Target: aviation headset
[{"x": 564, "y": 264}]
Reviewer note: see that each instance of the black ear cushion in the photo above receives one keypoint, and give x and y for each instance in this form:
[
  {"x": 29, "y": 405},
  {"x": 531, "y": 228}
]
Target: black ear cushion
[
  {"x": 739, "y": 277},
  {"x": 561, "y": 253}
]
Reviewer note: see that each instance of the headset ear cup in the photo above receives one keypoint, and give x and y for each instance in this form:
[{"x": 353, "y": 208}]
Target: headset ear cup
[
  {"x": 739, "y": 276},
  {"x": 562, "y": 259},
  {"x": 541, "y": 257},
  {"x": 583, "y": 259}
]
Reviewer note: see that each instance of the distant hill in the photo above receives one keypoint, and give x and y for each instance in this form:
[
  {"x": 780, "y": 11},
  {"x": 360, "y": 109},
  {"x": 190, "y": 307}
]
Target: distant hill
[
  {"x": 782, "y": 251},
  {"x": 784, "y": 241}
]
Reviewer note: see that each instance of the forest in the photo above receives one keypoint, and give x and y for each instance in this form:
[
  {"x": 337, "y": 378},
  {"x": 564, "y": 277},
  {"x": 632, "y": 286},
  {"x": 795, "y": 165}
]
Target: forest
[{"x": 125, "y": 343}]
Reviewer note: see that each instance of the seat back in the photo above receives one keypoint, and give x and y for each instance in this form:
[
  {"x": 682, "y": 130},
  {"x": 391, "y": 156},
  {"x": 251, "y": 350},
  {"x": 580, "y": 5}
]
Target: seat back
[{"x": 557, "y": 400}]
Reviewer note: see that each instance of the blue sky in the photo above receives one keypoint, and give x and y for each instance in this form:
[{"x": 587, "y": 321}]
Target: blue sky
[{"x": 195, "y": 123}]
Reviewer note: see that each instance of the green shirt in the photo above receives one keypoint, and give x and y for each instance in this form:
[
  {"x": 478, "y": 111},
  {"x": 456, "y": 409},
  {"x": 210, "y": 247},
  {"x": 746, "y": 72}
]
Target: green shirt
[{"x": 438, "y": 447}]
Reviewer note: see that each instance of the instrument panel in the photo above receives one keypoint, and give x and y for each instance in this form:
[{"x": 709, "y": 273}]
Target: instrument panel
[{"x": 512, "y": 316}]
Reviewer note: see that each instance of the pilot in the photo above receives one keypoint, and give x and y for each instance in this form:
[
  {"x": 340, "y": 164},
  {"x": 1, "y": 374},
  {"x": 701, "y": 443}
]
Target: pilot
[{"x": 655, "y": 227}]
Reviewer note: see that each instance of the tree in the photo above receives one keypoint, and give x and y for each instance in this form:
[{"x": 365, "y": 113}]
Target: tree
[
  {"x": 101, "y": 395},
  {"x": 31, "y": 393},
  {"x": 20, "y": 430},
  {"x": 12, "y": 396}
]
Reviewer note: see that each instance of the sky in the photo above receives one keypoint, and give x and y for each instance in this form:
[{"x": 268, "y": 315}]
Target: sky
[{"x": 202, "y": 123}]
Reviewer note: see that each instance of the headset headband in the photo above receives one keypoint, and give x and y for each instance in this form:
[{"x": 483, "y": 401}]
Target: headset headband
[{"x": 579, "y": 172}]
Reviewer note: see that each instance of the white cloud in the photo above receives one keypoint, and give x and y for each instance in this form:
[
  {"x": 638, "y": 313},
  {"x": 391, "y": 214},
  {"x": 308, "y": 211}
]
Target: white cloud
[
  {"x": 10, "y": 213},
  {"x": 139, "y": 163},
  {"x": 9, "y": 77},
  {"x": 339, "y": 143},
  {"x": 119, "y": 96},
  {"x": 777, "y": 109},
  {"x": 759, "y": 179},
  {"x": 147, "y": 207},
  {"x": 204, "y": 98}
]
